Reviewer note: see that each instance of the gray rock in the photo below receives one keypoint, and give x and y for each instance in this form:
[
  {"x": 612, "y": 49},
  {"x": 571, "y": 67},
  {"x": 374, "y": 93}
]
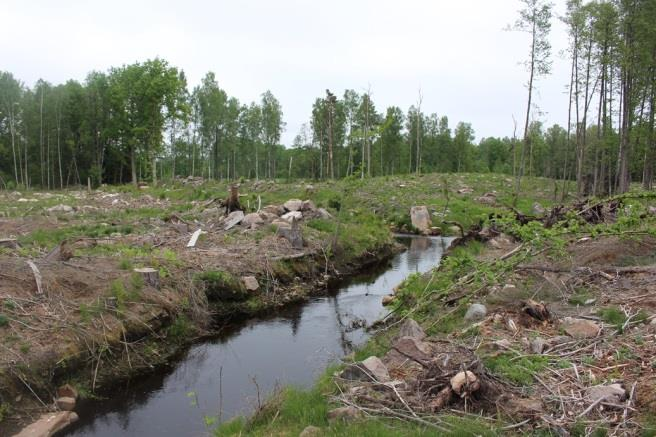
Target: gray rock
[
  {"x": 613, "y": 393},
  {"x": 476, "y": 311},
  {"x": 580, "y": 328},
  {"x": 297, "y": 215},
  {"x": 274, "y": 209},
  {"x": 324, "y": 214},
  {"x": 410, "y": 328},
  {"x": 417, "y": 350},
  {"x": 538, "y": 345},
  {"x": 250, "y": 283},
  {"x": 420, "y": 218},
  {"x": 293, "y": 234},
  {"x": 233, "y": 219},
  {"x": 293, "y": 205},
  {"x": 252, "y": 220},
  {"x": 60, "y": 208},
  {"x": 370, "y": 369},
  {"x": 48, "y": 424}
]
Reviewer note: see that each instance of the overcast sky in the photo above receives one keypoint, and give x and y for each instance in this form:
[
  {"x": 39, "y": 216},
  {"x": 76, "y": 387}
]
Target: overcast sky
[{"x": 456, "y": 51}]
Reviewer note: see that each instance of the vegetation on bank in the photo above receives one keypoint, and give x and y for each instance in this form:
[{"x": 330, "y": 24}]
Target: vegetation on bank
[{"x": 470, "y": 274}]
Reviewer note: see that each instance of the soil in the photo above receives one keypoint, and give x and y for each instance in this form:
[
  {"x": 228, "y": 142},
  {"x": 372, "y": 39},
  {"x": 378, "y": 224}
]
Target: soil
[{"x": 95, "y": 321}]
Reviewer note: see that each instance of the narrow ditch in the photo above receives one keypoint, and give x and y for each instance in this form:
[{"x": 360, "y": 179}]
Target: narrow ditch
[{"x": 221, "y": 377}]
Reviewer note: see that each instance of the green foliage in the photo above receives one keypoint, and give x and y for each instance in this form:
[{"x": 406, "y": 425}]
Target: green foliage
[
  {"x": 181, "y": 328},
  {"x": 516, "y": 369},
  {"x": 4, "y": 321},
  {"x": 220, "y": 285}
]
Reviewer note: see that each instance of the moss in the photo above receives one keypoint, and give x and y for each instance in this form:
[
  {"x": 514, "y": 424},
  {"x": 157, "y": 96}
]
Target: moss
[{"x": 517, "y": 369}]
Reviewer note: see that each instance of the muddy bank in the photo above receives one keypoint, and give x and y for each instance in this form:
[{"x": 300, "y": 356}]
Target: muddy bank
[{"x": 166, "y": 326}]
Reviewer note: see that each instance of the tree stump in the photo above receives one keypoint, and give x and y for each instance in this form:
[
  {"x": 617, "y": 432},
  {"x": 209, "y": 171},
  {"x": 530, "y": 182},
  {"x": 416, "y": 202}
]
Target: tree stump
[
  {"x": 150, "y": 276},
  {"x": 293, "y": 234},
  {"x": 232, "y": 202}
]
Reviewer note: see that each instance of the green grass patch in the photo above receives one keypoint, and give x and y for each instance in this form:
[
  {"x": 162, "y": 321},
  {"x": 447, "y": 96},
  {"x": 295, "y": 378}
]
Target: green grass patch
[{"x": 519, "y": 370}]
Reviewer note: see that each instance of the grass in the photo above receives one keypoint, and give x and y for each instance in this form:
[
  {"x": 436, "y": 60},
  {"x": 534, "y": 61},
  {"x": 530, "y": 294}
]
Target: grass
[
  {"x": 519, "y": 370},
  {"x": 222, "y": 286}
]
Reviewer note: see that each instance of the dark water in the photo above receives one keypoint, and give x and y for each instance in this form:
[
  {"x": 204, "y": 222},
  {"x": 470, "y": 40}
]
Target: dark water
[{"x": 292, "y": 348}]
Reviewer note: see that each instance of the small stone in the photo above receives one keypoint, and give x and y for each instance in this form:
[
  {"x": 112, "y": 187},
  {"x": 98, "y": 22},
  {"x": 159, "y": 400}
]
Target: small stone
[
  {"x": 347, "y": 414},
  {"x": 65, "y": 403},
  {"x": 310, "y": 431},
  {"x": 298, "y": 215},
  {"x": 293, "y": 205},
  {"x": 503, "y": 344},
  {"x": 68, "y": 391},
  {"x": 475, "y": 311},
  {"x": 580, "y": 328},
  {"x": 376, "y": 368},
  {"x": 464, "y": 383},
  {"x": 388, "y": 299},
  {"x": 538, "y": 345},
  {"x": 60, "y": 208},
  {"x": 411, "y": 328},
  {"x": 324, "y": 214},
  {"x": 465, "y": 190},
  {"x": 250, "y": 283}
]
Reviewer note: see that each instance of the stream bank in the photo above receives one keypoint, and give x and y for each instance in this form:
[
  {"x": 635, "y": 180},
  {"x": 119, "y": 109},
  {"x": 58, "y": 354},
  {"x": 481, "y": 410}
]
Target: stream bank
[{"x": 220, "y": 376}]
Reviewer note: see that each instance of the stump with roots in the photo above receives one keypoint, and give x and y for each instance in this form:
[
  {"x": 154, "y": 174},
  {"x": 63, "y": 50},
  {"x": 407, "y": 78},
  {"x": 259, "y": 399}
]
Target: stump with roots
[{"x": 150, "y": 276}]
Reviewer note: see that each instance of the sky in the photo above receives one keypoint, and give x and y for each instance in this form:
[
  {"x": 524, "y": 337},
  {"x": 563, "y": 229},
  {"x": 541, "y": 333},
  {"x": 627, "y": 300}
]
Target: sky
[{"x": 455, "y": 51}]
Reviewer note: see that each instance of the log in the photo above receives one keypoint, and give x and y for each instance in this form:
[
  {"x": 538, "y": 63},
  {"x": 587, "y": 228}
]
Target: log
[
  {"x": 37, "y": 277},
  {"x": 10, "y": 243},
  {"x": 194, "y": 238},
  {"x": 149, "y": 275}
]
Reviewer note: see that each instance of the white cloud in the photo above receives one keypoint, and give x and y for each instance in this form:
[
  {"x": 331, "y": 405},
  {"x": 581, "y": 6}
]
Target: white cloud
[{"x": 456, "y": 51}]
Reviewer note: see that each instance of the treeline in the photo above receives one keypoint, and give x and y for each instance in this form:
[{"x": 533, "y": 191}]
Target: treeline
[{"x": 143, "y": 122}]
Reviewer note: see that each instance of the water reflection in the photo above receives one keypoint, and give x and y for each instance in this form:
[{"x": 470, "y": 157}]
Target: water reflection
[{"x": 221, "y": 374}]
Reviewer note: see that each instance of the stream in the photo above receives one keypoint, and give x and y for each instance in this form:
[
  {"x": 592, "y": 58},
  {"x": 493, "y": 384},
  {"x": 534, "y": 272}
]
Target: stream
[{"x": 223, "y": 373}]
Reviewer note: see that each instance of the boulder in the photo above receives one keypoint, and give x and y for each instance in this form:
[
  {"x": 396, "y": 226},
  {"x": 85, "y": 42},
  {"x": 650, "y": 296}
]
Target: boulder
[
  {"x": 413, "y": 348},
  {"x": 652, "y": 210},
  {"x": 233, "y": 219},
  {"x": 293, "y": 205},
  {"x": 252, "y": 220},
  {"x": 388, "y": 299},
  {"x": 48, "y": 424},
  {"x": 65, "y": 403},
  {"x": 420, "y": 218},
  {"x": 60, "y": 208},
  {"x": 346, "y": 414},
  {"x": 410, "y": 328},
  {"x": 298, "y": 215},
  {"x": 476, "y": 311},
  {"x": 281, "y": 224},
  {"x": 250, "y": 283},
  {"x": 580, "y": 328}
]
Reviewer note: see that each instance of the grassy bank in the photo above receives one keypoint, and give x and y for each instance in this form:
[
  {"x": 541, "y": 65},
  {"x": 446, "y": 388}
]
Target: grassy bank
[{"x": 496, "y": 276}]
